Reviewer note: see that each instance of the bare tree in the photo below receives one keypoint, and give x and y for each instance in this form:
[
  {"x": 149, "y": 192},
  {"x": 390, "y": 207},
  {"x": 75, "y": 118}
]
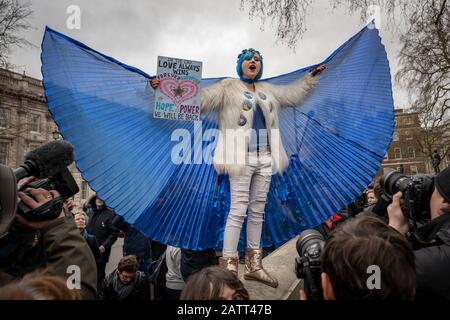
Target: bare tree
[
  {"x": 424, "y": 58},
  {"x": 288, "y": 15},
  {"x": 425, "y": 61},
  {"x": 433, "y": 135},
  {"x": 13, "y": 20}
]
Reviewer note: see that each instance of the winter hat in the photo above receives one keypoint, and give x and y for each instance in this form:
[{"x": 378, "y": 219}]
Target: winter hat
[{"x": 442, "y": 183}]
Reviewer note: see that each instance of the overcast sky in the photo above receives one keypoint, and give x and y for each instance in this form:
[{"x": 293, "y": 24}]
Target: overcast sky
[{"x": 212, "y": 31}]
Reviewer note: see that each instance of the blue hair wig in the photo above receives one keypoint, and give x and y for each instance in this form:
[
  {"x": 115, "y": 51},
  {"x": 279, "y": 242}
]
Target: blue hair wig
[{"x": 247, "y": 54}]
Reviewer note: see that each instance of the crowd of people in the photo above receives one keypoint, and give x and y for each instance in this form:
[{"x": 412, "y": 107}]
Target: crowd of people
[{"x": 413, "y": 262}]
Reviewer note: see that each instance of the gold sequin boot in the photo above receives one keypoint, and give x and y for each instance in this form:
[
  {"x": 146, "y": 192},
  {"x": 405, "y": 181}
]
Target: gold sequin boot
[
  {"x": 254, "y": 269},
  {"x": 230, "y": 263}
]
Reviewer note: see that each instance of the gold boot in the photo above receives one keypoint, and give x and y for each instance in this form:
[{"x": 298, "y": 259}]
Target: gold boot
[
  {"x": 230, "y": 263},
  {"x": 254, "y": 269}
]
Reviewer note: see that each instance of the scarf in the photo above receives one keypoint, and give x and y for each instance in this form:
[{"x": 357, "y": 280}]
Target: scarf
[{"x": 123, "y": 291}]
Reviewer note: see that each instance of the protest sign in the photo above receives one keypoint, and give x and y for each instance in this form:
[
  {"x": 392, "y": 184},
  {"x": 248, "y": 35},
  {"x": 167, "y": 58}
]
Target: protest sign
[{"x": 179, "y": 93}]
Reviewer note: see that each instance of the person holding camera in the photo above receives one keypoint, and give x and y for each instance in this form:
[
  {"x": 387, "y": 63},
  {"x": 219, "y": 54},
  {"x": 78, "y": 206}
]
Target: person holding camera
[
  {"x": 364, "y": 259},
  {"x": 432, "y": 241},
  {"x": 54, "y": 245}
]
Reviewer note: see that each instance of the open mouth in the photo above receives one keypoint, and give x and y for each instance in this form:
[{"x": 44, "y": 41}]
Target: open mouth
[{"x": 252, "y": 67}]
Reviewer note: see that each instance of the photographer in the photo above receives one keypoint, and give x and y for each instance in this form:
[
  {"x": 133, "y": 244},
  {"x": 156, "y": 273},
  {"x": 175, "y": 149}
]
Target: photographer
[
  {"x": 353, "y": 254},
  {"x": 433, "y": 248},
  {"x": 27, "y": 245}
]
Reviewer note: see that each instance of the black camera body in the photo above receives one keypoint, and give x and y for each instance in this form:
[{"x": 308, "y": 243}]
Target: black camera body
[
  {"x": 307, "y": 265},
  {"x": 417, "y": 191},
  {"x": 64, "y": 183}
]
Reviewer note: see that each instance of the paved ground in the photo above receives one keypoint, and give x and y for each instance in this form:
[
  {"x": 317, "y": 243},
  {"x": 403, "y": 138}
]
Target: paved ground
[
  {"x": 116, "y": 255},
  {"x": 280, "y": 264}
]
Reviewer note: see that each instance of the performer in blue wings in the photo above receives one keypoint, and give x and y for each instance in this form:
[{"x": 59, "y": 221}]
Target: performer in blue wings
[
  {"x": 249, "y": 151},
  {"x": 324, "y": 149}
]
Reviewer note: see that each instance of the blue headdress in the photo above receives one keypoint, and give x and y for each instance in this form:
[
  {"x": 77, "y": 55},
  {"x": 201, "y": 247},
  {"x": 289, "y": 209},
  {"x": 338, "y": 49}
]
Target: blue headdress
[{"x": 247, "y": 54}]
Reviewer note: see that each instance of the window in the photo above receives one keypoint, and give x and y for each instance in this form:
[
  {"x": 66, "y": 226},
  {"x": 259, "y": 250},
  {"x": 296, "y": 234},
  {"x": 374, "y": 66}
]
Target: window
[
  {"x": 395, "y": 136},
  {"x": 397, "y": 153},
  {"x": 4, "y": 118},
  {"x": 411, "y": 152},
  {"x": 35, "y": 121},
  {"x": 448, "y": 157},
  {"x": 408, "y": 120},
  {"x": 4, "y": 153},
  {"x": 408, "y": 135},
  {"x": 84, "y": 190},
  {"x": 413, "y": 170}
]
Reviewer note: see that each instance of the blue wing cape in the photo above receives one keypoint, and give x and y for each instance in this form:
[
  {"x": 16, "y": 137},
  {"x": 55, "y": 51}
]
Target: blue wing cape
[{"x": 336, "y": 141}]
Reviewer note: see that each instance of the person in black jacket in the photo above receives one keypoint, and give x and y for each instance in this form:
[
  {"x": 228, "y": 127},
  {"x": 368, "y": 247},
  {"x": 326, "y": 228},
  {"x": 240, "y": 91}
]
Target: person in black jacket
[
  {"x": 81, "y": 219},
  {"x": 135, "y": 243},
  {"x": 193, "y": 261},
  {"x": 126, "y": 282},
  {"x": 433, "y": 255},
  {"x": 100, "y": 225}
]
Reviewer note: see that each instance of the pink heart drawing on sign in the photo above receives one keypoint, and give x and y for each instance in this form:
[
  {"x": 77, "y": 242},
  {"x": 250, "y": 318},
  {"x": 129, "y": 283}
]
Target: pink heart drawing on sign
[{"x": 178, "y": 90}]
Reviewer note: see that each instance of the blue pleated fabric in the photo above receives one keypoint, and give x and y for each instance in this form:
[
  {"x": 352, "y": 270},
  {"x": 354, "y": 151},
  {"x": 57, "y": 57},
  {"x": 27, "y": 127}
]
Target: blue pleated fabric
[{"x": 336, "y": 141}]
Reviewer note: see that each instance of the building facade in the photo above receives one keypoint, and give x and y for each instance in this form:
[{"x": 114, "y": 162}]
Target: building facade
[
  {"x": 407, "y": 151},
  {"x": 26, "y": 124}
]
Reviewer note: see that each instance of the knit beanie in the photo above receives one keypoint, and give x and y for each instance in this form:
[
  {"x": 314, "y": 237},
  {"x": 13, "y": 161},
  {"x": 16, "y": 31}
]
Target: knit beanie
[{"x": 442, "y": 183}]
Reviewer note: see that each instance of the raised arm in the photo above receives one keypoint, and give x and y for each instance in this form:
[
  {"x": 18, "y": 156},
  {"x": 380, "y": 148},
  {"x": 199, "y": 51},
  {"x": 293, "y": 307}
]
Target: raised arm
[
  {"x": 291, "y": 95},
  {"x": 212, "y": 97}
]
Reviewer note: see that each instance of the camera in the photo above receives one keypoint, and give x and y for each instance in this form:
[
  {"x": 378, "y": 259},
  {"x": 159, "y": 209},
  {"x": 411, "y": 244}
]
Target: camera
[
  {"x": 307, "y": 265},
  {"x": 417, "y": 191},
  {"x": 64, "y": 183}
]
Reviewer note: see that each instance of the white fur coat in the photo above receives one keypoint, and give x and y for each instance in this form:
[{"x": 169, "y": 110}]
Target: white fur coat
[{"x": 236, "y": 104}]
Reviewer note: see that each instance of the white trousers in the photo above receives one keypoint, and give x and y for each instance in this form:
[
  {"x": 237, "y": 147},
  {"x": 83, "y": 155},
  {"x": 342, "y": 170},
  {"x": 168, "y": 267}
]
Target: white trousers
[{"x": 248, "y": 191}]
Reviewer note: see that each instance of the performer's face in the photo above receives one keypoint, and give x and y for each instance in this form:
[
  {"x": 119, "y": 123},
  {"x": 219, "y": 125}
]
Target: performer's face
[{"x": 251, "y": 68}]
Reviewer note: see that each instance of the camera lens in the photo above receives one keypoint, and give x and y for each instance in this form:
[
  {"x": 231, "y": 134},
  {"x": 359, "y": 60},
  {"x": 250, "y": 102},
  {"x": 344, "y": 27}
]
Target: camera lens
[
  {"x": 394, "y": 182},
  {"x": 307, "y": 239}
]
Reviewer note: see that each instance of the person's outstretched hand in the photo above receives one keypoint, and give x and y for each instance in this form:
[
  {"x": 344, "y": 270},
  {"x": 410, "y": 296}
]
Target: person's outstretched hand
[
  {"x": 155, "y": 83},
  {"x": 318, "y": 70}
]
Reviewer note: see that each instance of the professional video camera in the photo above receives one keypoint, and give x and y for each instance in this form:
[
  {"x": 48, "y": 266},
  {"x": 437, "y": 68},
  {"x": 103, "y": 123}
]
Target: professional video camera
[
  {"x": 307, "y": 265},
  {"x": 49, "y": 163},
  {"x": 62, "y": 182},
  {"x": 417, "y": 191}
]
